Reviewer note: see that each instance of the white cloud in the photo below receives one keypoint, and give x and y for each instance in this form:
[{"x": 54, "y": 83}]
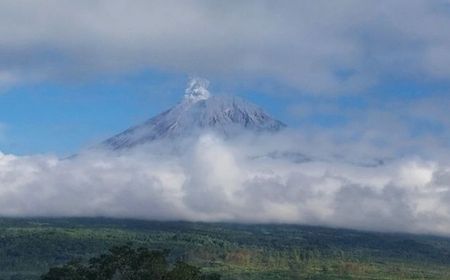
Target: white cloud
[
  {"x": 317, "y": 46},
  {"x": 216, "y": 180}
]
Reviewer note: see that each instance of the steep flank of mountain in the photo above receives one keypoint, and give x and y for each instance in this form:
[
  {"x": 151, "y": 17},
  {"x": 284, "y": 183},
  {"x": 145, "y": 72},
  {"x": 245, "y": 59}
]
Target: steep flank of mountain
[{"x": 198, "y": 111}]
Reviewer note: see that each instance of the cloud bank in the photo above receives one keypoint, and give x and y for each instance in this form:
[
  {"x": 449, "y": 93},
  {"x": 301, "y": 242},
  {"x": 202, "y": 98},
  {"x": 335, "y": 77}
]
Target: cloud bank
[
  {"x": 250, "y": 179},
  {"x": 315, "y": 46}
]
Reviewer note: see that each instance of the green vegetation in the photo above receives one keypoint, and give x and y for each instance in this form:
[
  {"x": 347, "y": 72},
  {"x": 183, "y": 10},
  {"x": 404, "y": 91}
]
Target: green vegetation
[
  {"x": 124, "y": 262},
  {"x": 28, "y": 247}
]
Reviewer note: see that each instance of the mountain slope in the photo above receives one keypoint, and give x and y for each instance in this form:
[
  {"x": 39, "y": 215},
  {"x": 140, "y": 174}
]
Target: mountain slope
[
  {"x": 237, "y": 251},
  {"x": 198, "y": 111}
]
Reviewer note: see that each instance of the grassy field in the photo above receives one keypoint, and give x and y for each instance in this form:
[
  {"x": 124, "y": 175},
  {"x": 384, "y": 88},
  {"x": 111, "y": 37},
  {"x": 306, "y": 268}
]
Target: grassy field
[{"x": 29, "y": 246}]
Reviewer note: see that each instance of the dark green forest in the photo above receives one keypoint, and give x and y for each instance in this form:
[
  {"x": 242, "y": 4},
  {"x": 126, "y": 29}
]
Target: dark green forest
[
  {"x": 127, "y": 263},
  {"x": 30, "y": 247}
]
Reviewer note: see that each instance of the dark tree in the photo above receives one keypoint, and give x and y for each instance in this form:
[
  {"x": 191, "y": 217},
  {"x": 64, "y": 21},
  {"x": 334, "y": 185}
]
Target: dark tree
[{"x": 126, "y": 263}]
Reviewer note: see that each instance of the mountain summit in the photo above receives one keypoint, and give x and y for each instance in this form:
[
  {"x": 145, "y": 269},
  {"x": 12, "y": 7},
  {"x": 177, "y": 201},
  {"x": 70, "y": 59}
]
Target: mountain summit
[{"x": 198, "y": 111}]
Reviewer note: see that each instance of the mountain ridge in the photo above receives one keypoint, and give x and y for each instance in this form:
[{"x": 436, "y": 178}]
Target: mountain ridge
[{"x": 198, "y": 111}]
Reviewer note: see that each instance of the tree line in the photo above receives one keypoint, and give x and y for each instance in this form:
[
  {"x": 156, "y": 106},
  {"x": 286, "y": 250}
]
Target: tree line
[{"x": 127, "y": 263}]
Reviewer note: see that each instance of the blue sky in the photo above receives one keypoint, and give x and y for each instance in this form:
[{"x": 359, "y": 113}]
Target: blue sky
[
  {"x": 72, "y": 74},
  {"x": 64, "y": 118},
  {"x": 60, "y": 118}
]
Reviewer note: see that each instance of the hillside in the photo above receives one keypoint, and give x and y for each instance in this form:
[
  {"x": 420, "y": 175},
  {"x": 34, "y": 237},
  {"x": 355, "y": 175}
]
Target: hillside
[{"x": 29, "y": 246}]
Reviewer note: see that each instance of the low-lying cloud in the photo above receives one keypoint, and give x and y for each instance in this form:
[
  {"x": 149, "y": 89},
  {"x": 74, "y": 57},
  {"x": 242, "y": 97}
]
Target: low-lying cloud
[{"x": 270, "y": 179}]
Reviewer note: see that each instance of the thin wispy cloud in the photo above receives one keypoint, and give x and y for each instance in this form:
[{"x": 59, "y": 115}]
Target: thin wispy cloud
[{"x": 314, "y": 46}]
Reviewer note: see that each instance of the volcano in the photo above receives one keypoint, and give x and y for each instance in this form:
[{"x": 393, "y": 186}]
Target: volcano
[{"x": 199, "y": 111}]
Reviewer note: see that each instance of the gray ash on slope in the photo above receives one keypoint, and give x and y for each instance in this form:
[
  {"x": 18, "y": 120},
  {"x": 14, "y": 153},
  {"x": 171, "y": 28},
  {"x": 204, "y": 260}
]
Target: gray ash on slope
[{"x": 199, "y": 112}]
